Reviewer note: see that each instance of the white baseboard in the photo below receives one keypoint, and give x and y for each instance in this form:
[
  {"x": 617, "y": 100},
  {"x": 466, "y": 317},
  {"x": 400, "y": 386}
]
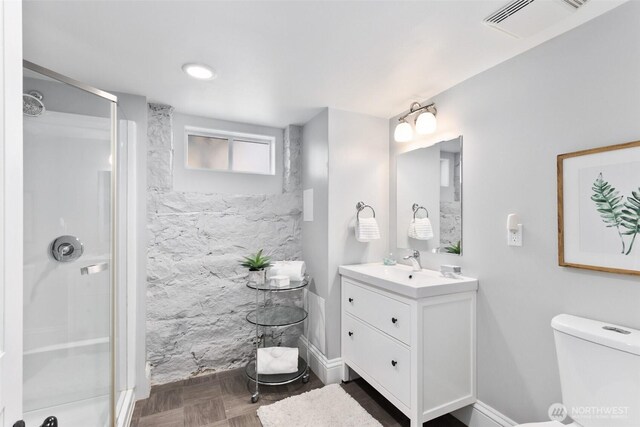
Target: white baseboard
[
  {"x": 328, "y": 370},
  {"x": 143, "y": 389},
  {"x": 482, "y": 415},
  {"x": 126, "y": 409}
]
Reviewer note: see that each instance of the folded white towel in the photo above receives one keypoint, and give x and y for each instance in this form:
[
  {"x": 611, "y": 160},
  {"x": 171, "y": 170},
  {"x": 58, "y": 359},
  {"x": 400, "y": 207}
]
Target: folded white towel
[
  {"x": 367, "y": 230},
  {"x": 279, "y": 281},
  {"x": 277, "y": 360},
  {"x": 421, "y": 229},
  {"x": 293, "y": 269}
]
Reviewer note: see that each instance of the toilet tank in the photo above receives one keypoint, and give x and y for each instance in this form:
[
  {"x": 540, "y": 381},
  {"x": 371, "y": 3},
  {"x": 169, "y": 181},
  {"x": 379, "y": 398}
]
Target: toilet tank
[{"x": 599, "y": 371}]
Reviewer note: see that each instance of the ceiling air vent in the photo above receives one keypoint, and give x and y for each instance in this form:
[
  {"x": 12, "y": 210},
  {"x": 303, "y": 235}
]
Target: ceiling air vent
[{"x": 523, "y": 18}]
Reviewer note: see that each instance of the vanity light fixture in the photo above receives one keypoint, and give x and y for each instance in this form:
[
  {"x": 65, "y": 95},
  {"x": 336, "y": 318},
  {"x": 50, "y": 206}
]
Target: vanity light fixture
[
  {"x": 425, "y": 122},
  {"x": 199, "y": 71},
  {"x": 403, "y": 132}
]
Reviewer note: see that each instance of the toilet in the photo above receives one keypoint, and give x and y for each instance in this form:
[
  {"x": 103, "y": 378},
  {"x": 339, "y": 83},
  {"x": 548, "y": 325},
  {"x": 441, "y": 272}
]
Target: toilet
[{"x": 599, "y": 373}]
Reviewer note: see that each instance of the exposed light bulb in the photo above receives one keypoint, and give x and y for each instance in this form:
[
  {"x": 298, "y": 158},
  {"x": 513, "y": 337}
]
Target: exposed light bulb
[
  {"x": 403, "y": 132},
  {"x": 199, "y": 71},
  {"x": 426, "y": 123}
]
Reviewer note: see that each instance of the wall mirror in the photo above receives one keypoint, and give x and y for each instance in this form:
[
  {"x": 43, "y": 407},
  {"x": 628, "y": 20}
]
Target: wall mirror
[{"x": 429, "y": 198}]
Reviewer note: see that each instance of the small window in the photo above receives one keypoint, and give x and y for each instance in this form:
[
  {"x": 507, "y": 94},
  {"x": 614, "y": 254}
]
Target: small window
[{"x": 230, "y": 152}]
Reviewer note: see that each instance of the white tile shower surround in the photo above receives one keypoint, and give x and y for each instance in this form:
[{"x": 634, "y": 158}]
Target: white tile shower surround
[{"x": 196, "y": 297}]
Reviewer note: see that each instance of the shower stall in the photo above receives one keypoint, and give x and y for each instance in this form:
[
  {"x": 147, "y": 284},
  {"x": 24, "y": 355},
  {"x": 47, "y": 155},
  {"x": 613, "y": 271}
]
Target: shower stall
[{"x": 78, "y": 356}]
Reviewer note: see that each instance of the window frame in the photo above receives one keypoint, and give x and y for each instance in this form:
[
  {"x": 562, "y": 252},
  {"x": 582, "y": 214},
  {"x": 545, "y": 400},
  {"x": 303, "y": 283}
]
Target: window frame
[{"x": 230, "y": 136}]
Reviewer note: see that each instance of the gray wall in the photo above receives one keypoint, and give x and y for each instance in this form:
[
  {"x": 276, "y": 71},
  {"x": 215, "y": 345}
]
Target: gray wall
[
  {"x": 345, "y": 158},
  {"x": 197, "y": 297},
  {"x": 577, "y": 91}
]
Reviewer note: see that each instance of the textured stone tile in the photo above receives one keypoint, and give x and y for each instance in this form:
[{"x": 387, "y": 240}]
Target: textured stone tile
[
  {"x": 238, "y": 406},
  {"x": 247, "y": 420},
  {"x": 201, "y": 379},
  {"x": 137, "y": 409},
  {"x": 162, "y": 401},
  {"x": 197, "y": 298},
  {"x": 203, "y": 391},
  {"x": 236, "y": 386},
  {"x": 173, "y": 418},
  {"x": 203, "y": 413}
]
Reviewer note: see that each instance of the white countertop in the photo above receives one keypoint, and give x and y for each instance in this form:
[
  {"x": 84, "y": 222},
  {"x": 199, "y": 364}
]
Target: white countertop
[{"x": 402, "y": 280}]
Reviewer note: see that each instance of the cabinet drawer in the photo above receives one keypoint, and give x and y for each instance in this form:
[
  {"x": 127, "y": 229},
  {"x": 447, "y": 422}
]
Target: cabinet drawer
[
  {"x": 379, "y": 356},
  {"x": 389, "y": 315}
]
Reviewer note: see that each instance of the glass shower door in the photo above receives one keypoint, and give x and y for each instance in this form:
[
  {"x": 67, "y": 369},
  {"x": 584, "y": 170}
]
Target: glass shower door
[{"x": 68, "y": 253}]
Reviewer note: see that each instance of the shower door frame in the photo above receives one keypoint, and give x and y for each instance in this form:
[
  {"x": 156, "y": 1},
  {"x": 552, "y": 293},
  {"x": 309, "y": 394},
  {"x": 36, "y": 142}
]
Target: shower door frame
[{"x": 113, "y": 398}]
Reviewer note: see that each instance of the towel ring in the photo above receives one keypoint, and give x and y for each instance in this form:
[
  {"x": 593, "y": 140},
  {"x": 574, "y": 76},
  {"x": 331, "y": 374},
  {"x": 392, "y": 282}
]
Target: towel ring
[
  {"x": 416, "y": 207},
  {"x": 360, "y": 206}
]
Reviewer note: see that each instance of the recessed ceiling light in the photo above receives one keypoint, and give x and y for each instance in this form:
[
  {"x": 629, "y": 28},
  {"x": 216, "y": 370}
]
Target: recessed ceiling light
[{"x": 199, "y": 71}]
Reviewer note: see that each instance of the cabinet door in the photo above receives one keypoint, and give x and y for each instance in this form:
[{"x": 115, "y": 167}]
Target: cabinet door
[
  {"x": 382, "y": 358},
  {"x": 387, "y": 314}
]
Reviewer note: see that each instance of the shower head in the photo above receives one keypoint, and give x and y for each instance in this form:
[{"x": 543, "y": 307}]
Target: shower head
[{"x": 32, "y": 104}]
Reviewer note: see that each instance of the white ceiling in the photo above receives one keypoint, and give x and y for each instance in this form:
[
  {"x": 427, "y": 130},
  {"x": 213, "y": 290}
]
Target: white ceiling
[{"x": 278, "y": 62}]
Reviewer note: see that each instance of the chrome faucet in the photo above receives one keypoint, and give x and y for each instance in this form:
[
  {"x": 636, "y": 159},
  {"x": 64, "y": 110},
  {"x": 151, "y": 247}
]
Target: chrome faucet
[{"x": 415, "y": 260}]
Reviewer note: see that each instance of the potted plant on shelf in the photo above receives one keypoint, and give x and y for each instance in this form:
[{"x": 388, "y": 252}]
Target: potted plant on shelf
[
  {"x": 454, "y": 248},
  {"x": 257, "y": 265}
]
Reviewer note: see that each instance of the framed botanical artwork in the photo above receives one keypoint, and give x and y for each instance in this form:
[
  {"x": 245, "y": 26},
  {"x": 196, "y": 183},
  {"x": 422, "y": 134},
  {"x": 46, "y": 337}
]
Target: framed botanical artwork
[{"x": 599, "y": 209}]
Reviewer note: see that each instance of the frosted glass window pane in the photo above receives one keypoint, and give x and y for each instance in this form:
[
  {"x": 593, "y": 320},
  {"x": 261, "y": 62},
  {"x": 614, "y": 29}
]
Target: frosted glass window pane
[
  {"x": 251, "y": 157},
  {"x": 206, "y": 152}
]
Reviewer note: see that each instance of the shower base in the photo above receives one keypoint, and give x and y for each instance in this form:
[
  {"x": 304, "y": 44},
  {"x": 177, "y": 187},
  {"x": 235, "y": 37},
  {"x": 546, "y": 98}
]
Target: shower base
[{"x": 89, "y": 412}]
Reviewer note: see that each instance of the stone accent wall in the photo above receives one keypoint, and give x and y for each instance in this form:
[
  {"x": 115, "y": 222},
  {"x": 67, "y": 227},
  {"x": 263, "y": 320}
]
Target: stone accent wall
[
  {"x": 197, "y": 297},
  {"x": 450, "y": 223},
  {"x": 451, "y": 211}
]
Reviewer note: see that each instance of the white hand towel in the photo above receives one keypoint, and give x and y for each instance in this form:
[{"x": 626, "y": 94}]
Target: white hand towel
[
  {"x": 293, "y": 269},
  {"x": 367, "y": 230},
  {"x": 277, "y": 360},
  {"x": 421, "y": 229},
  {"x": 279, "y": 281}
]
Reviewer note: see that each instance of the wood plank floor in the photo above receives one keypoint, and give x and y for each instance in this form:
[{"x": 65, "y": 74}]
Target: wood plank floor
[{"x": 223, "y": 400}]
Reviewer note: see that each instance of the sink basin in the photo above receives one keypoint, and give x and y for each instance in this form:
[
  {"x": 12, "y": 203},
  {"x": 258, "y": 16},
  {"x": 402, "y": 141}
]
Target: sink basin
[{"x": 401, "y": 279}]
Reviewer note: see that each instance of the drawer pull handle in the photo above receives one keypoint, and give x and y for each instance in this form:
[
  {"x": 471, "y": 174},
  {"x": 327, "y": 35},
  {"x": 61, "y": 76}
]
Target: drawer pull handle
[
  {"x": 350, "y": 299},
  {"x": 394, "y": 320},
  {"x": 394, "y": 363},
  {"x": 350, "y": 333}
]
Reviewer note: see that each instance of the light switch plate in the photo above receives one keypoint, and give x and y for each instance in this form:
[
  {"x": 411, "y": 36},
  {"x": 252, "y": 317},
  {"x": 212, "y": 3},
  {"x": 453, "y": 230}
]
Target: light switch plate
[{"x": 514, "y": 237}]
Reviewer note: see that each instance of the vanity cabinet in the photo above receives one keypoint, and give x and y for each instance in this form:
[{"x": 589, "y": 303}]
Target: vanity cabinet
[{"x": 418, "y": 352}]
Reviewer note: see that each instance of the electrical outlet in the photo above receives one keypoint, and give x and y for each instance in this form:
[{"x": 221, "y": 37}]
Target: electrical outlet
[{"x": 514, "y": 237}]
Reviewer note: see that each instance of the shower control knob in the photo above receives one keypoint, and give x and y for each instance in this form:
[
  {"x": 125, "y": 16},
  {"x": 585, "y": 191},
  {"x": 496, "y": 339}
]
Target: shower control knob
[
  {"x": 350, "y": 299},
  {"x": 350, "y": 333},
  {"x": 394, "y": 320},
  {"x": 66, "y": 248},
  {"x": 394, "y": 363}
]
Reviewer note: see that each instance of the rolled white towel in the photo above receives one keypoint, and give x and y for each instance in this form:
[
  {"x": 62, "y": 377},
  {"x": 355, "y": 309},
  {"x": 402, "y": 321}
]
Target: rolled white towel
[
  {"x": 277, "y": 360},
  {"x": 293, "y": 269},
  {"x": 367, "y": 230},
  {"x": 420, "y": 229}
]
